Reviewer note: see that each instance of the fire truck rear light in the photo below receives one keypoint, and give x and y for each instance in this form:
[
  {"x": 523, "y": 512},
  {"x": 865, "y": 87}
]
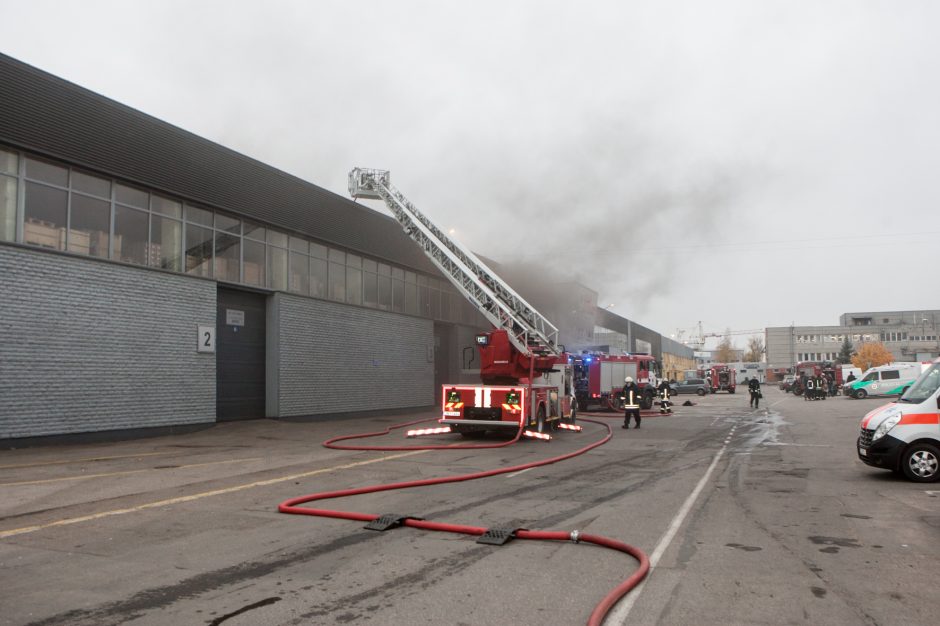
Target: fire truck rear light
[
  {"x": 535, "y": 435},
  {"x": 428, "y": 431},
  {"x": 574, "y": 427},
  {"x": 595, "y": 395}
]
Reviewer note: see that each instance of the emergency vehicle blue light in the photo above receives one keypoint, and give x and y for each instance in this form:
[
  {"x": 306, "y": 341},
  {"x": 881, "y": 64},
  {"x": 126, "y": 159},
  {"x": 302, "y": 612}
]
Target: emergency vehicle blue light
[{"x": 587, "y": 360}]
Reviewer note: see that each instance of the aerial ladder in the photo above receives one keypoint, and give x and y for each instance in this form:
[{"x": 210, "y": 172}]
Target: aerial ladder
[{"x": 525, "y": 342}]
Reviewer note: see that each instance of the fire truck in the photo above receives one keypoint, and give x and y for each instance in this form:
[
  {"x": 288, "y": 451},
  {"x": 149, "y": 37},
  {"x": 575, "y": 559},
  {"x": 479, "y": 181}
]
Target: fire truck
[
  {"x": 599, "y": 378},
  {"x": 815, "y": 369},
  {"x": 527, "y": 378},
  {"x": 721, "y": 377}
]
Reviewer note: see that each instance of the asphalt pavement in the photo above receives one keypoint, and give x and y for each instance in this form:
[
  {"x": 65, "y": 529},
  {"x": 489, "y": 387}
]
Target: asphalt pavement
[{"x": 749, "y": 517}]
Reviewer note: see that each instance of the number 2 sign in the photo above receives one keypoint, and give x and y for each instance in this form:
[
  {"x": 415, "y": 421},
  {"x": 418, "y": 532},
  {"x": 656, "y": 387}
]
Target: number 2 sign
[{"x": 205, "y": 341}]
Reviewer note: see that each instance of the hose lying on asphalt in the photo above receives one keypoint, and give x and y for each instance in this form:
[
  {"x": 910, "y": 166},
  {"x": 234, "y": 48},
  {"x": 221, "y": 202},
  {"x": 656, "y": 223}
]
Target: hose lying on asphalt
[{"x": 293, "y": 505}]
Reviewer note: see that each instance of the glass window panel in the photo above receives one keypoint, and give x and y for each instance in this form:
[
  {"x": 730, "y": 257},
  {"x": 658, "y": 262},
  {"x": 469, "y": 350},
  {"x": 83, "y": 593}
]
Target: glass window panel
[
  {"x": 276, "y": 238},
  {"x": 370, "y": 289},
  {"x": 228, "y": 224},
  {"x": 41, "y": 170},
  {"x": 297, "y": 244},
  {"x": 337, "y": 256},
  {"x": 90, "y": 226},
  {"x": 198, "y": 250},
  {"x": 384, "y": 270},
  {"x": 131, "y": 197},
  {"x": 422, "y": 279},
  {"x": 385, "y": 292},
  {"x": 86, "y": 183},
  {"x": 337, "y": 282},
  {"x": 254, "y": 230},
  {"x": 277, "y": 267},
  {"x": 44, "y": 216},
  {"x": 424, "y": 299},
  {"x": 299, "y": 273},
  {"x": 435, "y": 309},
  {"x": 166, "y": 243},
  {"x": 165, "y": 206},
  {"x": 353, "y": 260},
  {"x": 9, "y": 163},
  {"x": 398, "y": 273},
  {"x": 398, "y": 295},
  {"x": 198, "y": 216},
  {"x": 254, "y": 263},
  {"x": 353, "y": 285},
  {"x": 318, "y": 277},
  {"x": 369, "y": 265},
  {"x": 411, "y": 298},
  {"x": 411, "y": 277},
  {"x": 228, "y": 251},
  {"x": 7, "y": 207},
  {"x": 318, "y": 251},
  {"x": 130, "y": 235}
]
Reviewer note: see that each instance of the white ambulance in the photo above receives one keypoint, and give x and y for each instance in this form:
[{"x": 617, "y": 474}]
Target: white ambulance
[
  {"x": 885, "y": 380},
  {"x": 904, "y": 436}
]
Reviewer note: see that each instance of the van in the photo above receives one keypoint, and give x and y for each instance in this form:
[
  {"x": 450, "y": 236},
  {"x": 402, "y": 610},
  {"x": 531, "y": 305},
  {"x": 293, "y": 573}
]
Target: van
[
  {"x": 885, "y": 380},
  {"x": 904, "y": 436}
]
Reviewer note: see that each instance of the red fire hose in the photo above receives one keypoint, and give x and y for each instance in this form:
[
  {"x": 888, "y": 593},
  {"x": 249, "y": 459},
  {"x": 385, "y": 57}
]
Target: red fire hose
[{"x": 600, "y": 611}]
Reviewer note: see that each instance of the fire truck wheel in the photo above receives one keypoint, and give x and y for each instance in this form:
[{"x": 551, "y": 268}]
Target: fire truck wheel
[
  {"x": 700, "y": 392},
  {"x": 574, "y": 414},
  {"x": 541, "y": 426},
  {"x": 860, "y": 394},
  {"x": 731, "y": 390},
  {"x": 921, "y": 463},
  {"x": 646, "y": 402}
]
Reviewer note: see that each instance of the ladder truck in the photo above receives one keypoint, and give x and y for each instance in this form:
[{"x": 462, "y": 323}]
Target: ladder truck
[{"x": 527, "y": 378}]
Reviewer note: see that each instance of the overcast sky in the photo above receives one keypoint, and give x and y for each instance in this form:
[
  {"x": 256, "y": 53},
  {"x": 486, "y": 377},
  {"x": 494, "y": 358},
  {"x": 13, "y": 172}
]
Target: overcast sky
[{"x": 746, "y": 164}]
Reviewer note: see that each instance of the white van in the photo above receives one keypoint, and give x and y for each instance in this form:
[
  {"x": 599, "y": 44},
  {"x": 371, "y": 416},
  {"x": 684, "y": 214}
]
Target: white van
[
  {"x": 885, "y": 380},
  {"x": 904, "y": 436}
]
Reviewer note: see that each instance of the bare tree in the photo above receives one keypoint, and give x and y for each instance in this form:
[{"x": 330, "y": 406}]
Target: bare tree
[
  {"x": 755, "y": 350},
  {"x": 726, "y": 351}
]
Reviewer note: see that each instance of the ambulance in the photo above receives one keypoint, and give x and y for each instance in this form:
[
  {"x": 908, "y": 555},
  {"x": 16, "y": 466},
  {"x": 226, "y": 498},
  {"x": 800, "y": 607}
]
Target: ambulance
[
  {"x": 885, "y": 380},
  {"x": 904, "y": 436}
]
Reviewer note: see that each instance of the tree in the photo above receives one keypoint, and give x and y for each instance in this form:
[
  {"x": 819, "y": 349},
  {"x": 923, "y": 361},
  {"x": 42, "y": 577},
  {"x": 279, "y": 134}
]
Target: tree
[
  {"x": 755, "y": 350},
  {"x": 845, "y": 352},
  {"x": 725, "y": 352},
  {"x": 872, "y": 355}
]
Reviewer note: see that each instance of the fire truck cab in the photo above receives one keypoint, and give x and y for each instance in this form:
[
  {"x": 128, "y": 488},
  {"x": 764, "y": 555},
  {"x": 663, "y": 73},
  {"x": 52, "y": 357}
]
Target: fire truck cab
[
  {"x": 599, "y": 378},
  {"x": 722, "y": 377}
]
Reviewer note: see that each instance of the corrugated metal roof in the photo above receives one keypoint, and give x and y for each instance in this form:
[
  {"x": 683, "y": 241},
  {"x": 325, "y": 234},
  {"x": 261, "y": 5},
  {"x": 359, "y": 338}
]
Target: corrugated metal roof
[{"x": 44, "y": 114}]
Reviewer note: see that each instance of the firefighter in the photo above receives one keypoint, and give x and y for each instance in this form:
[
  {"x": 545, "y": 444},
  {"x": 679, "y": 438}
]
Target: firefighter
[
  {"x": 753, "y": 386},
  {"x": 665, "y": 404},
  {"x": 631, "y": 402},
  {"x": 808, "y": 393}
]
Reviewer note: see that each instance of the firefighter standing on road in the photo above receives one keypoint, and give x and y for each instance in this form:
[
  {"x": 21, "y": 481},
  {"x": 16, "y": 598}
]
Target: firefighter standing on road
[
  {"x": 665, "y": 404},
  {"x": 753, "y": 386},
  {"x": 631, "y": 402}
]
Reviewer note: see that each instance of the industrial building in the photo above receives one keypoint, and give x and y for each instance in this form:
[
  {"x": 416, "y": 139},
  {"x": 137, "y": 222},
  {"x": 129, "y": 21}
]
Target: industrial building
[
  {"x": 909, "y": 335},
  {"x": 152, "y": 279}
]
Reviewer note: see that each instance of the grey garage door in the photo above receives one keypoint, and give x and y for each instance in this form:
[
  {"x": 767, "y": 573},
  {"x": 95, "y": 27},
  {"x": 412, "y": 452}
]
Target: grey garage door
[{"x": 240, "y": 352}]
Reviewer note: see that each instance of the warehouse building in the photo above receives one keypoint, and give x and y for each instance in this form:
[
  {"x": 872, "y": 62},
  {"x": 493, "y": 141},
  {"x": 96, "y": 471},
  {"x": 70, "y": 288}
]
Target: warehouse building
[{"x": 152, "y": 280}]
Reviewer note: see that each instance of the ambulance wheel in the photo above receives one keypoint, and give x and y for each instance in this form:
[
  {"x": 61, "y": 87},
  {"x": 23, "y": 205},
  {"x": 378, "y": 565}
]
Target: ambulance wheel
[
  {"x": 860, "y": 394},
  {"x": 921, "y": 463},
  {"x": 701, "y": 392},
  {"x": 541, "y": 426}
]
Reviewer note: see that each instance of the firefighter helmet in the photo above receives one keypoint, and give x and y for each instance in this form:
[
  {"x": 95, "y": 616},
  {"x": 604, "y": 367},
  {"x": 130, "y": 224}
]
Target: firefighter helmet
[{"x": 628, "y": 379}]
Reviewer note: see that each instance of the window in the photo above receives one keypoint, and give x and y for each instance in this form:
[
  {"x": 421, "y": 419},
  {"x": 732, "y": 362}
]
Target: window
[
  {"x": 353, "y": 285},
  {"x": 166, "y": 243},
  {"x": 398, "y": 289},
  {"x": 337, "y": 275},
  {"x": 228, "y": 251},
  {"x": 299, "y": 272},
  {"x": 385, "y": 287},
  {"x": 130, "y": 235},
  {"x": 130, "y": 196},
  {"x": 199, "y": 216},
  {"x": 199, "y": 247},
  {"x": 318, "y": 277},
  {"x": 47, "y": 172},
  {"x": 277, "y": 267},
  {"x": 370, "y": 285},
  {"x": 165, "y": 206},
  {"x": 45, "y": 215},
  {"x": 254, "y": 271},
  {"x": 90, "y": 226},
  {"x": 890, "y": 375},
  {"x": 9, "y": 164},
  {"x": 228, "y": 224}
]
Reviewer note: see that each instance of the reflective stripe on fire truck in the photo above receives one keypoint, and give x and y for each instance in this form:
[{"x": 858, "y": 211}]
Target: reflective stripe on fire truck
[
  {"x": 428, "y": 431},
  {"x": 535, "y": 435},
  {"x": 573, "y": 427}
]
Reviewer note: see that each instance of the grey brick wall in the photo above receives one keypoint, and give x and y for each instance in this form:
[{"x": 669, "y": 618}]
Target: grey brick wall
[
  {"x": 91, "y": 346},
  {"x": 334, "y": 358}
]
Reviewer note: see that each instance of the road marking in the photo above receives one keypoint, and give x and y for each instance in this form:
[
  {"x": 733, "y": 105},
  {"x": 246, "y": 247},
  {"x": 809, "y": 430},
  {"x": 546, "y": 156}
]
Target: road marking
[
  {"x": 519, "y": 472},
  {"x": 198, "y": 496},
  {"x": 88, "y": 460},
  {"x": 619, "y": 616},
  {"x": 124, "y": 472},
  {"x": 799, "y": 445}
]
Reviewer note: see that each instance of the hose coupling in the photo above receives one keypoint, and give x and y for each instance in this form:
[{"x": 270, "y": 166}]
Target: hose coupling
[{"x": 575, "y": 536}]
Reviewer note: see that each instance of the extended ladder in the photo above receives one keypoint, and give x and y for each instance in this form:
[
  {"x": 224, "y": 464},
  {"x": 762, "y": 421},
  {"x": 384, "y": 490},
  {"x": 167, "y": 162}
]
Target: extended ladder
[{"x": 529, "y": 331}]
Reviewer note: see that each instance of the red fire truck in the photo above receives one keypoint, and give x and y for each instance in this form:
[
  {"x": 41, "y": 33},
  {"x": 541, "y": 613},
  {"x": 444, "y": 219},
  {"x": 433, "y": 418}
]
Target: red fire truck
[
  {"x": 527, "y": 378},
  {"x": 815, "y": 369},
  {"x": 721, "y": 377},
  {"x": 599, "y": 378}
]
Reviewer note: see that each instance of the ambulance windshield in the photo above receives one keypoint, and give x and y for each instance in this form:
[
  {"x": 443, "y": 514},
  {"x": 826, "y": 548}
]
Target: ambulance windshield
[{"x": 925, "y": 386}]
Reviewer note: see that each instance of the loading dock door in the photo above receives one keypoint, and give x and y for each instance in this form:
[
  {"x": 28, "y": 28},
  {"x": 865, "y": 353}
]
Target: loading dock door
[{"x": 240, "y": 355}]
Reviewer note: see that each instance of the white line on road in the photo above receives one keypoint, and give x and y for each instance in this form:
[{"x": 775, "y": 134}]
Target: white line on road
[
  {"x": 519, "y": 472},
  {"x": 620, "y": 614}
]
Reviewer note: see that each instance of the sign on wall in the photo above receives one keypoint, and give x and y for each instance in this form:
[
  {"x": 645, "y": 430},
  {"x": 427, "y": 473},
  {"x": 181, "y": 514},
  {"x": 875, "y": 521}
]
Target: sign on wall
[
  {"x": 206, "y": 339},
  {"x": 234, "y": 317}
]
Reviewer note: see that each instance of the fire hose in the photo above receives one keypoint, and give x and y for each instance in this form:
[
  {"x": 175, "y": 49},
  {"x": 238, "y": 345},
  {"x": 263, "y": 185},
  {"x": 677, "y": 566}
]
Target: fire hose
[{"x": 293, "y": 505}]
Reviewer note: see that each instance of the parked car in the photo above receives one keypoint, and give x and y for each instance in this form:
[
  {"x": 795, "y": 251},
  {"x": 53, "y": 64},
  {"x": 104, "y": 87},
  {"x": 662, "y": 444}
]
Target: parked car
[
  {"x": 787, "y": 383},
  {"x": 693, "y": 385}
]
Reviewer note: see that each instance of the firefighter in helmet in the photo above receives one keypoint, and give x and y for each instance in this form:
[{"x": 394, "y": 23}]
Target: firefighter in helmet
[
  {"x": 631, "y": 402},
  {"x": 753, "y": 386},
  {"x": 665, "y": 403}
]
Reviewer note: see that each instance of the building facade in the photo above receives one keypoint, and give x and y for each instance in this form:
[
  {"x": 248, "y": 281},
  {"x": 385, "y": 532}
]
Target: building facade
[{"x": 909, "y": 335}]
